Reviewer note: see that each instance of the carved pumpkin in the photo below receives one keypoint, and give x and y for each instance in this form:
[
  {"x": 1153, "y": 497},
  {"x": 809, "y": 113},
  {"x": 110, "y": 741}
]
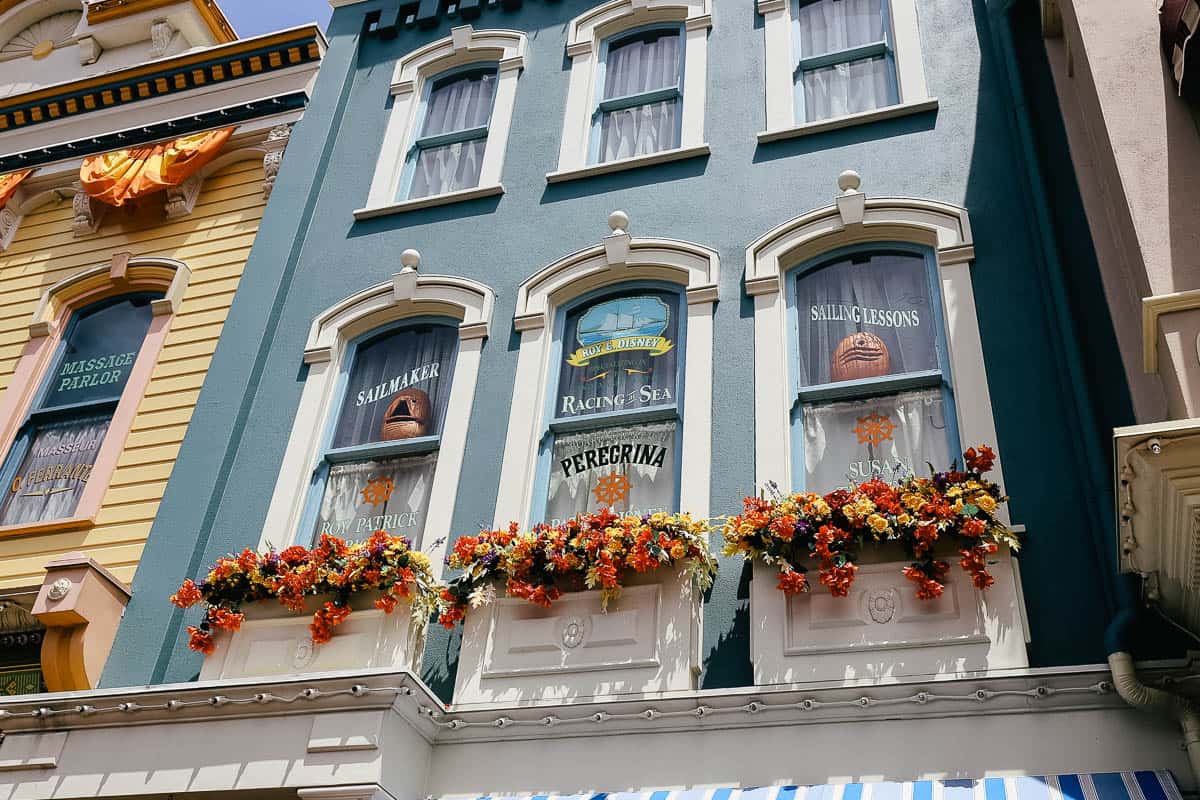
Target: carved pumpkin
[
  {"x": 860, "y": 355},
  {"x": 408, "y": 416}
]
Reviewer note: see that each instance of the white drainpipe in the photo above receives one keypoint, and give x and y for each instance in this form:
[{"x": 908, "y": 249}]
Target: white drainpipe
[{"x": 1146, "y": 698}]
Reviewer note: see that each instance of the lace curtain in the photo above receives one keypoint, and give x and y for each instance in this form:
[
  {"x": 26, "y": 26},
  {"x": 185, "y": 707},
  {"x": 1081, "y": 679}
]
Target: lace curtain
[
  {"x": 634, "y": 67},
  {"x": 455, "y": 106},
  {"x": 831, "y": 26}
]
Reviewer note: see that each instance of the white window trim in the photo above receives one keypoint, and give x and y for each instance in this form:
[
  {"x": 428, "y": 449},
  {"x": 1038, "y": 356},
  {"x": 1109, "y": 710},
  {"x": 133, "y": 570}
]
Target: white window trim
[
  {"x": 584, "y": 35},
  {"x": 618, "y": 259},
  {"x": 408, "y": 294},
  {"x": 781, "y": 63},
  {"x": 856, "y": 220},
  {"x": 464, "y": 46}
]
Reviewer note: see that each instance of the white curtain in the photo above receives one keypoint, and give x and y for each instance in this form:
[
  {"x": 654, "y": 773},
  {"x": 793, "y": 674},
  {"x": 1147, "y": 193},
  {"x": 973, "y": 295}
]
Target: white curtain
[
  {"x": 831, "y": 26},
  {"x": 457, "y": 106},
  {"x": 632, "y": 68},
  {"x": 854, "y": 440},
  {"x": 395, "y": 499}
]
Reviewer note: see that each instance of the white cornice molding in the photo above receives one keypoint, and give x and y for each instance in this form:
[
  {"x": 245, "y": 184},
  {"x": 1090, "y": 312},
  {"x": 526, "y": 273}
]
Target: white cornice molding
[
  {"x": 464, "y": 45},
  {"x": 615, "y": 15},
  {"x": 691, "y": 265},
  {"x": 466, "y": 300},
  {"x": 1154, "y": 307}
]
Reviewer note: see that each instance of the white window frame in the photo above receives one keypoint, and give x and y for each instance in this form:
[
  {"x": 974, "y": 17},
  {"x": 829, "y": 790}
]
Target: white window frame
[
  {"x": 781, "y": 62},
  {"x": 855, "y": 220},
  {"x": 618, "y": 259},
  {"x": 407, "y": 295},
  {"x": 586, "y": 35},
  {"x": 464, "y": 47}
]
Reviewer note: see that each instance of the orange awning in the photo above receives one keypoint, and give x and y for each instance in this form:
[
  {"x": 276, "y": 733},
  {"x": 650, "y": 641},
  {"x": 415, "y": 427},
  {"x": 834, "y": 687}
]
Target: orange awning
[
  {"x": 9, "y": 183},
  {"x": 123, "y": 175}
]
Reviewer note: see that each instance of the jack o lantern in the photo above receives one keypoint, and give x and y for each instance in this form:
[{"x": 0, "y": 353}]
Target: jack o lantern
[
  {"x": 407, "y": 417},
  {"x": 860, "y": 355}
]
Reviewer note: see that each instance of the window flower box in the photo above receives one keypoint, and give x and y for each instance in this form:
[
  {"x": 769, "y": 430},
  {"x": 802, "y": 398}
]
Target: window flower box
[
  {"x": 273, "y": 640},
  {"x": 885, "y": 603},
  {"x": 600, "y": 606},
  {"x": 337, "y": 606},
  {"x": 647, "y": 640}
]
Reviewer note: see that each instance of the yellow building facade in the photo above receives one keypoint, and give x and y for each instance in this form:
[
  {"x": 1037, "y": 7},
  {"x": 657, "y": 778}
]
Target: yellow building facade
[{"x": 168, "y": 133}]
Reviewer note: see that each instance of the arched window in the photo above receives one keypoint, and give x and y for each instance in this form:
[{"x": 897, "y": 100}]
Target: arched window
[
  {"x": 376, "y": 471},
  {"x": 636, "y": 96},
  {"x": 834, "y": 63},
  {"x": 612, "y": 337},
  {"x": 870, "y": 369},
  {"x": 640, "y": 94},
  {"x": 380, "y": 432},
  {"x": 56, "y": 447},
  {"x": 447, "y": 131},
  {"x": 447, "y": 154},
  {"x": 613, "y": 419}
]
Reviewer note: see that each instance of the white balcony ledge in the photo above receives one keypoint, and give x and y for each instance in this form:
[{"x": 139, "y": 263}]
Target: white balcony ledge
[
  {"x": 432, "y": 201},
  {"x": 848, "y": 121},
  {"x": 622, "y": 164}
]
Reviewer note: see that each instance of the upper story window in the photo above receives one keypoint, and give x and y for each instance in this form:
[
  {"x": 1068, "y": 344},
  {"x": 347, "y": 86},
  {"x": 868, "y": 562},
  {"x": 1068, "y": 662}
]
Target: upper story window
[
  {"x": 377, "y": 472},
  {"x": 448, "y": 154},
  {"x": 845, "y": 62},
  {"x": 51, "y": 460},
  {"x": 641, "y": 99},
  {"x": 614, "y": 428},
  {"x": 447, "y": 131},
  {"x": 637, "y": 88},
  {"x": 871, "y": 374},
  {"x": 831, "y": 63}
]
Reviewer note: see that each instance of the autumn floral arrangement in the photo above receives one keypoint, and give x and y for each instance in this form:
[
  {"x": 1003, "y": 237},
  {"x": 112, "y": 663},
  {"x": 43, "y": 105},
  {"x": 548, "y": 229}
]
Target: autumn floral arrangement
[
  {"x": 794, "y": 531},
  {"x": 382, "y": 563},
  {"x": 591, "y": 551}
]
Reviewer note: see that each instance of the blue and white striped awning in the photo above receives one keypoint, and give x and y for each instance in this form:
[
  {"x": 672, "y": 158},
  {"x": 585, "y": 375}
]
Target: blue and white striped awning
[{"x": 1093, "y": 786}]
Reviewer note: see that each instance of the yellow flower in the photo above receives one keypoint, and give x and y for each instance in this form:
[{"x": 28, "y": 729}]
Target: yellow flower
[
  {"x": 903, "y": 518},
  {"x": 878, "y": 523},
  {"x": 958, "y": 506},
  {"x": 986, "y": 502},
  {"x": 482, "y": 549},
  {"x": 418, "y": 559},
  {"x": 678, "y": 551},
  {"x": 912, "y": 501}
]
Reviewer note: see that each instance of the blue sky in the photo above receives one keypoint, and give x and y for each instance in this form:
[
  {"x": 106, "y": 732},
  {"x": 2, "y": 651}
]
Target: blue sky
[{"x": 253, "y": 17}]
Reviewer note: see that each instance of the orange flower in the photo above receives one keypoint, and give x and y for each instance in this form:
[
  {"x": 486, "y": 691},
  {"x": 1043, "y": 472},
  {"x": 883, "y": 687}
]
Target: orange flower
[
  {"x": 386, "y": 603},
  {"x": 327, "y": 617},
  {"x": 837, "y": 579},
  {"x": 225, "y": 620},
  {"x": 792, "y": 582},
  {"x": 188, "y": 595},
  {"x": 981, "y": 460},
  {"x": 200, "y": 640}
]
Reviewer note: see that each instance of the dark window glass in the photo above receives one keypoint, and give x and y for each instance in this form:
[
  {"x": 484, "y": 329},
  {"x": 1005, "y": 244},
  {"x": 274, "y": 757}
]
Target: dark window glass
[
  {"x": 865, "y": 317},
  {"x": 100, "y": 350},
  {"x": 619, "y": 354},
  {"x": 398, "y": 387}
]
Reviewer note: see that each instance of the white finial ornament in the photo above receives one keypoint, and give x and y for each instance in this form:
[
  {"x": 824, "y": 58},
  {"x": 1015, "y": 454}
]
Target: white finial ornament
[
  {"x": 849, "y": 181},
  {"x": 618, "y": 221},
  {"x": 851, "y": 203},
  {"x": 410, "y": 259}
]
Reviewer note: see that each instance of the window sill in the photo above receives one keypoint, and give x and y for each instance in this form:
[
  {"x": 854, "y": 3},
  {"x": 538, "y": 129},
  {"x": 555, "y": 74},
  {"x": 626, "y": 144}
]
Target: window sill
[
  {"x": 677, "y": 154},
  {"x": 429, "y": 202},
  {"x": 850, "y": 120},
  {"x": 51, "y": 526}
]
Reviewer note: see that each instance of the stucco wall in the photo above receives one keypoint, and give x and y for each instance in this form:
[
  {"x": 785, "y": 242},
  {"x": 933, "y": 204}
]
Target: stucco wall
[{"x": 311, "y": 253}]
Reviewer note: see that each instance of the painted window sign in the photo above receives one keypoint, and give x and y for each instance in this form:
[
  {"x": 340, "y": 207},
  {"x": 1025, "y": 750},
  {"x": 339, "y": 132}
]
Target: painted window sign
[
  {"x": 630, "y": 469},
  {"x": 396, "y": 395},
  {"x": 49, "y": 465},
  {"x": 851, "y": 441},
  {"x": 398, "y": 387},
  {"x": 619, "y": 355},
  {"x": 389, "y": 494},
  {"x": 865, "y": 317},
  {"x": 54, "y": 471}
]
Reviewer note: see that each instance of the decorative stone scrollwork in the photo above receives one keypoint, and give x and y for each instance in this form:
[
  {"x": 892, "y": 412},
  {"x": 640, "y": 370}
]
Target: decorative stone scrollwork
[
  {"x": 275, "y": 143},
  {"x": 881, "y": 605},
  {"x": 10, "y": 220},
  {"x": 161, "y": 34},
  {"x": 89, "y": 213},
  {"x": 306, "y": 651},
  {"x": 181, "y": 199},
  {"x": 574, "y": 631}
]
